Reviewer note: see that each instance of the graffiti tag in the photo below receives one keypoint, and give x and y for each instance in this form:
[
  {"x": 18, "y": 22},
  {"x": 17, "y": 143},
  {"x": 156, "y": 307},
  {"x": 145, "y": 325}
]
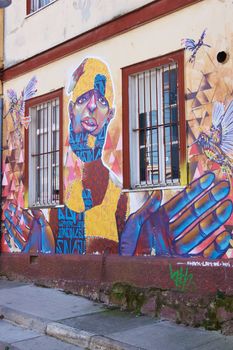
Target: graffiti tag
[{"x": 181, "y": 278}]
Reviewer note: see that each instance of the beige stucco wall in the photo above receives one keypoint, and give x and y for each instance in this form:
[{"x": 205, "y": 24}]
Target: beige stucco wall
[{"x": 26, "y": 36}]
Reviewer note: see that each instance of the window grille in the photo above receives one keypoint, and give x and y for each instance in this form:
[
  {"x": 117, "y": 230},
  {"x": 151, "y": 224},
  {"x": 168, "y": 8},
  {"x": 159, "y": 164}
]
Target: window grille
[
  {"x": 44, "y": 154},
  {"x": 153, "y": 121},
  {"x": 37, "y": 4}
]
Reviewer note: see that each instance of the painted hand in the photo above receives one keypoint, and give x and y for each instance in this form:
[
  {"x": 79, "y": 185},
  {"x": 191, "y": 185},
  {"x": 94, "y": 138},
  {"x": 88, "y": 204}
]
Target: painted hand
[
  {"x": 29, "y": 232},
  {"x": 185, "y": 222}
]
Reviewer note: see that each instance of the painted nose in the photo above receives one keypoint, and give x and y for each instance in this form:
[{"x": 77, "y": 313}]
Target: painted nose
[{"x": 92, "y": 104}]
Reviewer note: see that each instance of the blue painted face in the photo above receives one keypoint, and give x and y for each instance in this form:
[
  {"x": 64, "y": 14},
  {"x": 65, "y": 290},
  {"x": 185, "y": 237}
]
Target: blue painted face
[{"x": 90, "y": 113}]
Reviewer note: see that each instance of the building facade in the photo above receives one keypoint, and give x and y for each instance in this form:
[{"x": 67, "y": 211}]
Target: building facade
[{"x": 117, "y": 144}]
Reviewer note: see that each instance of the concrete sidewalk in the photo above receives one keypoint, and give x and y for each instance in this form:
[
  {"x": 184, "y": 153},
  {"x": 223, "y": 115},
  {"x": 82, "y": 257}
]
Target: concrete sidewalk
[{"x": 78, "y": 321}]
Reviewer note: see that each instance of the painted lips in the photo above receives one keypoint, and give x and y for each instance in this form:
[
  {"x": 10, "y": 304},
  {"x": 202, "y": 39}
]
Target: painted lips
[{"x": 89, "y": 124}]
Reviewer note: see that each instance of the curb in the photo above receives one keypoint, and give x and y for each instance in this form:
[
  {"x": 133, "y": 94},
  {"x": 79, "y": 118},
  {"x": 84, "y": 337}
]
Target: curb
[
  {"x": 63, "y": 332},
  {"x": 69, "y": 334},
  {"x": 85, "y": 339},
  {"x": 24, "y": 319},
  {"x": 99, "y": 342},
  {"x": 6, "y": 346}
]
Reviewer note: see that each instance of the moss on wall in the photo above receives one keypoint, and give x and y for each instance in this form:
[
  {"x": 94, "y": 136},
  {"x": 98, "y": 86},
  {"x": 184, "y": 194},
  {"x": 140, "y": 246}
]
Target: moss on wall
[{"x": 210, "y": 312}]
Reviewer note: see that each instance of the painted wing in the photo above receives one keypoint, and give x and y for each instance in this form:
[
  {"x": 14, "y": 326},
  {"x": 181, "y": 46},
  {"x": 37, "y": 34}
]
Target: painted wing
[
  {"x": 12, "y": 96},
  {"x": 189, "y": 44},
  {"x": 227, "y": 131},
  {"x": 21, "y": 110},
  {"x": 28, "y": 92},
  {"x": 217, "y": 114},
  {"x": 30, "y": 89}
]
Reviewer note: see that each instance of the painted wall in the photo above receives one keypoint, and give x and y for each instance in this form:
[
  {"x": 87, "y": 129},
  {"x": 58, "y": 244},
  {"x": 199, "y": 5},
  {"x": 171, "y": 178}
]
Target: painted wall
[
  {"x": 191, "y": 221},
  {"x": 1, "y": 44},
  {"x": 37, "y": 32}
]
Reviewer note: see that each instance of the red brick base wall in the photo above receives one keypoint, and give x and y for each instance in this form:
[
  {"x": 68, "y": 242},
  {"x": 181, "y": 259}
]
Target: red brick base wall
[{"x": 190, "y": 291}]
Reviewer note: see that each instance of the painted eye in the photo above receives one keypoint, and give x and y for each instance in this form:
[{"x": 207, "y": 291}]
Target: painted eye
[
  {"x": 103, "y": 101},
  {"x": 81, "y": 100}
]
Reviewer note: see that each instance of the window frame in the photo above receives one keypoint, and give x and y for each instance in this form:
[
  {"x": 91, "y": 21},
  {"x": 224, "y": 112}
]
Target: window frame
[
  {"x": 29, "y": 8},
  {"x": 177, "y": 56},
  {"x": 33, "y": 102}
]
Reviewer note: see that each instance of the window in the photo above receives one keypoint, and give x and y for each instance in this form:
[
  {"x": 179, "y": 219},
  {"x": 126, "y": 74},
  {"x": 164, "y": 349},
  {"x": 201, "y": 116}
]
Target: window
[
  {"x": 154, "y": 122},
  {"x": 34, "y": 5},
  {"x": 43, "y": 150}
]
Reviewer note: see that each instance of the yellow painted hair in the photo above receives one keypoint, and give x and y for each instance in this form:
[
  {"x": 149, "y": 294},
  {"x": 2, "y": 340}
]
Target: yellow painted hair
[{"x": 92, "y": 67}]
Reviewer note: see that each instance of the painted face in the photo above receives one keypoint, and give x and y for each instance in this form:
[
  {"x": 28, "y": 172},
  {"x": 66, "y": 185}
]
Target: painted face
[{"x": 90, "y": 112}]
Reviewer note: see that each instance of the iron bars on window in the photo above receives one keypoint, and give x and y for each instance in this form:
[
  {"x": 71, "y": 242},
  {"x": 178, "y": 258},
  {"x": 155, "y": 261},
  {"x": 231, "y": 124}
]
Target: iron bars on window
[
  {"x": 154, "y": 125},
  {"x": 37, "y": 4},
  {"x": 44, "y": 137}
]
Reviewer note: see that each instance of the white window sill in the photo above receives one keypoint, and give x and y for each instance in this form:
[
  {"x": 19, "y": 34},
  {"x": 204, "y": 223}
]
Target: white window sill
[
  {"x": 52, "y": 206},
  {"x": 153, "y": 188}
]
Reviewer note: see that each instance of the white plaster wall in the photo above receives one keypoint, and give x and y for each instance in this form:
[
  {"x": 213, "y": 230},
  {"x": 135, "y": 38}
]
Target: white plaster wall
[
  {"x": 148, "y": 41},
  {"x": 25, "y": 36}
]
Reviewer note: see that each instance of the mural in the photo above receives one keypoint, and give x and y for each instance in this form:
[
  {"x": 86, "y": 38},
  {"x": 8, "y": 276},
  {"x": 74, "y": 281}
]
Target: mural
[
  {"x": 191, "y": 45},
  {"x": 218, "y": 145},
  {"x": 17, "y": 107},
  {"x": 71, "y": 232},
  {"x": 29, "y": 230},
  {"x": 178, "y": 227},
  {"x": 97, "y": 216},
  {"x": 209, "y": 101},
  {"x": 92, "y": 190},
  {"x": 181, "y": 224},
  {"x": 21, "y": 230}
]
